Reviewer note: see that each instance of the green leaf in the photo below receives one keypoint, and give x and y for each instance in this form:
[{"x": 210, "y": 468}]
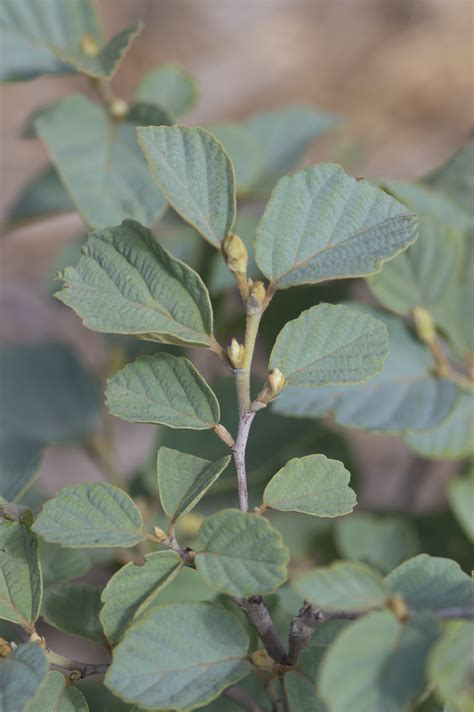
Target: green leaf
[
  {"x": 163, "y": 389},
  {"x": 244, "y": 152},
  {"x": 284, "y": 135},
  {"x": 20, "y": 461},
  {"x": 196, "y": 176},
  {"x": 390, "y": 669},
  {"x": 330, "y": 344},
  {"x": 126, "y": 283},
  {"x": 241, "y": 554},
  {"x": 90, "y": 515},
  {"x": 171, "y": 88},
  {"x": 321, "y": 224},
  {"x": 42, "y": 39},
  {"x": 75, "y": 609},
  {"x": 452, "y": 438},
  {"x": 312, "y": 485},
  {"x": 99, "y": 163},
  {"x": 184, "y": 479},
  {"x": 21, "y": 586},
  {"x": 420, "y": 276},
  {"x": 43, "y": 196},
  {"x": 180, "y": 656},
  {"x": 301, "y": 685},
  {"x": 451, "y": 664},
  {"x": 47, "y": 395},
  {"x": 461, "y": 497},
  {"x": 404, "y": 395},
  {"x": 56, "y": 695},
  {"x": 456, "y": 178},
  {"x": 345, "y": 585},
  {"x": 383, "y": 542},
  {"x": 133, "y": 588},
  {"x": 59, "y": 565},
  {"x": 21, "y": 675},
  {"x": 431, "y": 583}
]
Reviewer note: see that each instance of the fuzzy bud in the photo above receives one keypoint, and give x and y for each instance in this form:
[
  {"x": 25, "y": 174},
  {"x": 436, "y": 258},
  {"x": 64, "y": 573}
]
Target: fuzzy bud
[
  {"x": 118, "y": 109},
  {"x": 235, "y": 253},
  {"x": 160, "y": 534},
  {"x": 276, "y": 380},
  {"x": 236, "y": 353},
  {"x": 424, "y": 324},
  {"x": 89, "y": 45},
  {"x": 257, "y": 289}
]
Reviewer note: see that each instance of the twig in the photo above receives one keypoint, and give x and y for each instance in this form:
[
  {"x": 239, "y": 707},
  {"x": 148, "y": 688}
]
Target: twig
[
  {"x": 84, "y": 669},
  {"x": 240, "y": 696},
  {"x": 238, "y": 451},
  {"x": 257, "y": 613}
]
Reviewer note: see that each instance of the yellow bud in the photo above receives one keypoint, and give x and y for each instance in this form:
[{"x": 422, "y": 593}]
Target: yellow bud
[
  {"x": 398, "y": 606},
  {"x": 89, "y": 45},
  {"x": 118, "y": 109},
  {"x": 160, "y": 534},
  {"x": 424, "y": 324},
  {"x": 236, "y": 353},
  {"x": 5, "y": 648},
  {"x": 276, "y": 380},
  {"x": 262, "y": 660},
  {"x": 235, "y": 253},
  {"x": 257, "y": 289}
]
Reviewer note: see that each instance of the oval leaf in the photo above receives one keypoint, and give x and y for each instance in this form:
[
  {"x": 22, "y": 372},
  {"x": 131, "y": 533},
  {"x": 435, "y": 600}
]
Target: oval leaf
[
  {"x": 179, "y": 656},
  {"x": 126, "y": 283},
  {"x": 345, "y": 585},
  {"x": 21, "y": 675},
  {"x": 241, "y": 554},
  {"x": 81, "y": 598},
  {"x": 90, "y": 515},
  {"x": 56, "y": 695},
  {"x": 196, "y": 176},
  {"x": 163, "y": 389},
  {"x": 244, "y": 152},
  {"x": 171, "y": 88},
  {"x": 184, "y": 479},
  {"x": 450, "y": 667},
  {"x": 322, "y": 224},
  {"x": 312, "y": 485},
  {"x": 20, "y": 461},
  {"x": 134, "y": 587},
  {"x": 330, "y": 344}
]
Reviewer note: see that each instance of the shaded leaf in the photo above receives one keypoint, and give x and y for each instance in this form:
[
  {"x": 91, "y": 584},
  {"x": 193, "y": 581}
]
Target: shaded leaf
[
  {"x": 163, "y": 389},
  {"x": 99, "y": 163},
  {"x": 346, "y": 585},
  {"x": 20, "y": 460},
  {"x": 56, "y": 695},
  {"x": 126, "y": 283},
  {"x": 244, "y": 152},
  {"x": 133, "y": 588},
  {"x": 241, "y": 554},
  {"x": 179, "y": 656},
  {"x": 184, "y": 479},
  {"x": 312, "y": 485},
  {"x": 431, "y": 583},
  {"x": 170, "y": 87},
  {"x": 451, "y": 666},
  {"x": 142, "y": 114},
  {"x": 74, "y": 609},
  {"x": 330, "y": 344},
  {"x": 21, "y": 675},
  {"x": 185, "y": 588},
  {"x": 383, "y": 542},
  {"x": 321, "y": 224},
  {"x": 456, "y": 177},
  {"x": 461, "y": 497},
  {"x": 196, "y": 176},
  {"x": 59, "y": 565},
  {"x": 42, "y": 196},
  {"x": 390, "y": 670},
  {"x": 90, "y": 515},
  {"x": 20, "y": 574}
]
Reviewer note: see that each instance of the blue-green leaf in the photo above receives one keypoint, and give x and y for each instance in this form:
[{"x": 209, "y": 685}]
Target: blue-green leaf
[{"x": 169, "y": 87}]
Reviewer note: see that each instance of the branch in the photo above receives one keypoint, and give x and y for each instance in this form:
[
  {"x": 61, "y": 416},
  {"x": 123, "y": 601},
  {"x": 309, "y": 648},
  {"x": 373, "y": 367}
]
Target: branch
[
  {"x": 238, "y": 451},
  {"x": 257, "y": 613},
  {"x": 240, "y": 696},
  {"x": 74, "y": 666}
]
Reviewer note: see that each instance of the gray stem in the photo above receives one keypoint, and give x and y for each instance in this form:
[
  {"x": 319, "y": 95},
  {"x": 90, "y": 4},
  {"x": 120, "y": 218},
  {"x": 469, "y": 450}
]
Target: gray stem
[
  {"x": 257, "y": 613},
  {"x": 238, "y": 451}
]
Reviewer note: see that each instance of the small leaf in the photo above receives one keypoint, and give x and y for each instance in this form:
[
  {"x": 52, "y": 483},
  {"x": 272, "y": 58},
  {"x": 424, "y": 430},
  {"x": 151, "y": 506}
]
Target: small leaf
[
  {"x": 171, "y": 88},
  {"x": 20, "y": 574},
  {"x": 107, "y": 176},
  {"x": 284, "y": 135},
  {"x": 21, "y": 675},
  {"x": 47, "y": 395},
  {"x": 56, "y": 695},
  {"x": 390, "y": 669},
  {"x": 383, "y": 542},
  {"x": 330, "y": 344},
  {"x": 345, "y": 585},
  {"x": 450, "y": 667},
  {"x": 20, "y": 461},
  {"x": 133, "y": 588},
  {"x": 241, "y": 554},
  {"x": 126, "y": 283},
  {"x": 456, "y": 177},
  {"x": 44, "y": 195},
  {"x": 461, "y": 497},
  {"x": 179, "y": 656},
  {"x": 312, "y": 485},
  {"x": 321, "y": 224},
  {"x": 244, "y": 152},
  {"x": 431, "y": 583},
  {"x": 196, "y": 176},
  {"x": 184, "y": 479},
  {"x": 452, "y": 438},
  {"x": 90, "y": 515},
  {"x": 75, "y": 609},
  {"x": 163, "y": 389}
]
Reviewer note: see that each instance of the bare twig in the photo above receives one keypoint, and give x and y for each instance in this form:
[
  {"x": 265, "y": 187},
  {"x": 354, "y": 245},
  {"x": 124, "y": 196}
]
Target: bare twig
[
  {"x": 240, "y": 696},
  {"x": 238, "y": 451},
  {"x": 257, "y": 613},
  {"x": 74, "y": 666}
]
